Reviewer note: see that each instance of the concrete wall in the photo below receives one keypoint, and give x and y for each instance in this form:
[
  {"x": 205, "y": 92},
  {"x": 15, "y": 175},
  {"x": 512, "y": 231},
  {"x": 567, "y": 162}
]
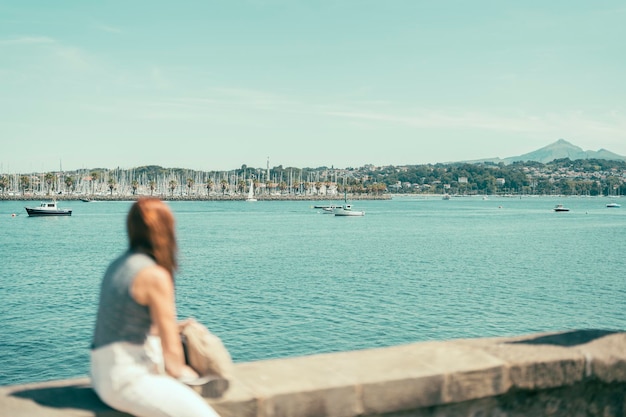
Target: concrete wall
[{"x": 577, "y": 373}]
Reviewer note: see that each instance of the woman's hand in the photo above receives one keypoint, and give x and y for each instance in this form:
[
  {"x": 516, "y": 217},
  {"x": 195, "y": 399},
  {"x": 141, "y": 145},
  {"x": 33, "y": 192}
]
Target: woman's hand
[
  {"x": 184, "y": 323},
  {"x": 184, "y": 373}
]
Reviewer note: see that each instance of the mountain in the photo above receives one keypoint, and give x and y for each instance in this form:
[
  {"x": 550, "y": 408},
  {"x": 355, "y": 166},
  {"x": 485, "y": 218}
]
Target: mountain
[
  {"x": 604, "y": 154},
  {"x": 564, "y": 149},
  {"x": 558, "y": 150}
]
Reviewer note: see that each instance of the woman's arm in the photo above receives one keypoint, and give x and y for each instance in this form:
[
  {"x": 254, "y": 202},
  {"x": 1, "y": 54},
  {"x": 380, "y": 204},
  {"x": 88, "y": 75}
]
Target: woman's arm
[{"x": 153, "y": 286}]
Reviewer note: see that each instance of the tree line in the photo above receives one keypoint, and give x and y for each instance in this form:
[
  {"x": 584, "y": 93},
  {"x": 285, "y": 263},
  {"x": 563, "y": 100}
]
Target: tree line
[{"x": 562, "y": 176}]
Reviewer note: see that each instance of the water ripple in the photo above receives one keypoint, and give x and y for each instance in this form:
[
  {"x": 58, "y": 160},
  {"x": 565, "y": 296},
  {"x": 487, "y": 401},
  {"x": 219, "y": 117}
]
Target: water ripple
[{"x": 278, "y": 279}]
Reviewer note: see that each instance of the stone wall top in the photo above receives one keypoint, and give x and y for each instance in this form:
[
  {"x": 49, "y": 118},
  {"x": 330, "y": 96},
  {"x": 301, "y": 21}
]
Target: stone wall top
[{"x": 380, "y": 381}]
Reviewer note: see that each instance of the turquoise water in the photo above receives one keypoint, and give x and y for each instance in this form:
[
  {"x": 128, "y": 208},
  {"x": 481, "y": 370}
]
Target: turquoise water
[{"x": 278, "y": 279}]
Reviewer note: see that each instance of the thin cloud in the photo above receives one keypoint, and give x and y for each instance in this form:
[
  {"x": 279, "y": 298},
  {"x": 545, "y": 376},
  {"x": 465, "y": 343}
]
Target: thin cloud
[
  {"x": 109, "y": 29},
  {"x": 72, "y": 56},
  {"x": 28, "y": 40},
  {"x": 247, "y": 96},
  {"x": 235, "y": 98},
  {"x": 553, "y": 123},
  {"x": 158, "y": 78}
]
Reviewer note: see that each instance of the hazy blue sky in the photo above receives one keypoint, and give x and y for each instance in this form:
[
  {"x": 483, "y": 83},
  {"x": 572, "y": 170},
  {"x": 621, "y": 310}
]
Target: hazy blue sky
[{"x": 212, "y": 85}]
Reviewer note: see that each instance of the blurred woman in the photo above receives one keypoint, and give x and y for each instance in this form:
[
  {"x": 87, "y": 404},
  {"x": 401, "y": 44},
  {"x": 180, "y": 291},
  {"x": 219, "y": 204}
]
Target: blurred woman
[{"x": 137, "y": 360}]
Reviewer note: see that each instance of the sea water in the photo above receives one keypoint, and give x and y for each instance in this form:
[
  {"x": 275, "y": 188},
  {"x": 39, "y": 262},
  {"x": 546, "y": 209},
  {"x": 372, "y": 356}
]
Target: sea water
[{"x": 281, "y": 278}]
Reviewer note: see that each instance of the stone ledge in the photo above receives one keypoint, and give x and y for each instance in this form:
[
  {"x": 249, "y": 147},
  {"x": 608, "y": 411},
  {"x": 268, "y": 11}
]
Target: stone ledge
[{"x": 400, "y": 380}]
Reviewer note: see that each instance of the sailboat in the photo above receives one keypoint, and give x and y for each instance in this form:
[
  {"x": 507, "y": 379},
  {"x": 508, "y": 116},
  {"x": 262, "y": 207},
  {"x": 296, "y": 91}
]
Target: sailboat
[
  {"x": 346, "y": 209},
  {"x": 251, "y": 192}
]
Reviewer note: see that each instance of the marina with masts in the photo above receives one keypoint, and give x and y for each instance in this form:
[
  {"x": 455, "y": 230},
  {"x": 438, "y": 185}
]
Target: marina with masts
[{"x": 185, "y": 184}]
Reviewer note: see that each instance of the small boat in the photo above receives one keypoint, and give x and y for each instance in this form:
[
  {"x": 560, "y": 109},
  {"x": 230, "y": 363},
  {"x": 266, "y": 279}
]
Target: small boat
[
  {"x": 48, "y": 208},
  {"x": 346, "y": 210},
  {"x": 328, "y": 209},
  {"x": 446, "y": 197},
  {"x": 559, "y": 207},
  {"x": 614, "y": 205},
  {"x": 251, "y": 192}
]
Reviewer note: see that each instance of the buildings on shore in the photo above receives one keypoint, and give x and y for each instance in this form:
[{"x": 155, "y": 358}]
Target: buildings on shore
[{"x": 563, "y": 177}]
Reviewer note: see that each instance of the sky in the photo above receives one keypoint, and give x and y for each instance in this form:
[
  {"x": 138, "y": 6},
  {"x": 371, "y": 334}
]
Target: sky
[{"x": 214, "y": 85}]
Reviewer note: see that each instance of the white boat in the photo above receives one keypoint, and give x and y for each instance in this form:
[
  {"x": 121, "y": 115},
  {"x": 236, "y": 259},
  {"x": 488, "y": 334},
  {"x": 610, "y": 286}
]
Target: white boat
[
  {"x": 328, "y": 209},
  {"x": 614, "y": 205},
  {"x": 251, "y": 192},
  {"x": 346, "y": 210},
  {"x": 559, "y": 207},
  {"x": 48, "y": 208},
  {"x": 328, "y": 206}
]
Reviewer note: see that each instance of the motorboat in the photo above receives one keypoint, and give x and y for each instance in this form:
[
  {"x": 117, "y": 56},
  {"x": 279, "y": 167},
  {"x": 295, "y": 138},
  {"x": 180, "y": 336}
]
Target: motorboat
[
  {"x": 329, "y": 209},
  {"x": 346, "y": 210},
  {"x": 560, "y": 207},
  {"x": 48, "y": 208},
  {"x": 614, "y": 205}
]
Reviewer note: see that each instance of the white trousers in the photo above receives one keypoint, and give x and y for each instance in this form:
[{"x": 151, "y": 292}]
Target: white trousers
[{"x": 131, "y": 378}]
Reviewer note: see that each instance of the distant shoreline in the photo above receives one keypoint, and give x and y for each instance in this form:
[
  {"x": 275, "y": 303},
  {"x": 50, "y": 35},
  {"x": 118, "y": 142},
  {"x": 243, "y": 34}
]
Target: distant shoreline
[
  {"x": 69, "y": 197},
  {"x": 238, "y": 197}
]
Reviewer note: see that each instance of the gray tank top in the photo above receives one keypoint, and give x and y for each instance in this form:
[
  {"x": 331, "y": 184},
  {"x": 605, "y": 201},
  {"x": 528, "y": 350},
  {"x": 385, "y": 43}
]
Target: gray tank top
[{"x": 120, "y": 318}]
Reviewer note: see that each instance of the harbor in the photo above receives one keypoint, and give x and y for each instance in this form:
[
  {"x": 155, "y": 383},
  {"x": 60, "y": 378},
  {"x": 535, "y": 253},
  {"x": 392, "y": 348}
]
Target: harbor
[{"x": 279, "y": 279}]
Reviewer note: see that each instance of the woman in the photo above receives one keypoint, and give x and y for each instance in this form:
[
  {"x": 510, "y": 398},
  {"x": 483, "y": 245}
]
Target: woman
[{"x": 137, "y": 360}]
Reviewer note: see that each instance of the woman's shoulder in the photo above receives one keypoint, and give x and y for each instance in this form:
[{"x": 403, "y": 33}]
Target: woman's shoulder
[
  {"x": 149, "y": 281},
  {"x": 130, "y": 264},
  {"x": 147, "y": 266},
  {"x": 136, "y": 260}
]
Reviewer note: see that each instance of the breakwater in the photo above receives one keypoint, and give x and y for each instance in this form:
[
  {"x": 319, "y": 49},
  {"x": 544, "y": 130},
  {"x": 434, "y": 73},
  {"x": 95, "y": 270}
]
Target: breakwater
[
  {"x": 215, "y": 197},
  {"x": 560, "y": 374}
]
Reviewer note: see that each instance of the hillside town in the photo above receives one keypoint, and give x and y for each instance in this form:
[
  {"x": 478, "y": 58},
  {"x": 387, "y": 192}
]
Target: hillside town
[{"x": 588, "y": 177}]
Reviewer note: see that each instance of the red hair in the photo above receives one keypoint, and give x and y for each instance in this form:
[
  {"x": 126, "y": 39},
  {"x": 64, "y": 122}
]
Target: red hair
[{"x": 150, "y": 226}]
